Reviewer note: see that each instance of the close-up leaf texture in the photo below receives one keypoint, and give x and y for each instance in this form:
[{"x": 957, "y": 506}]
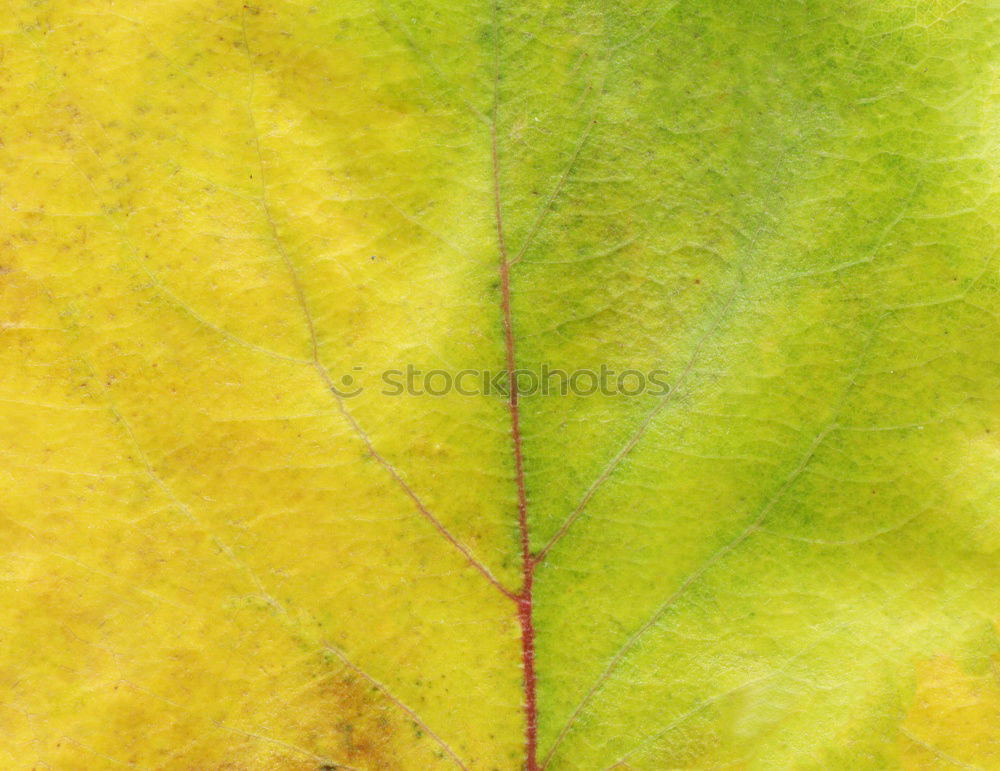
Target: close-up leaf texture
[{"x": 224, "y": 545}]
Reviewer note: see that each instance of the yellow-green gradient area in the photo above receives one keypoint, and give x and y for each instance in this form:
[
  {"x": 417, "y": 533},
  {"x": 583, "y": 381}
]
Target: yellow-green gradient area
[{"x": 214, "y": 213}]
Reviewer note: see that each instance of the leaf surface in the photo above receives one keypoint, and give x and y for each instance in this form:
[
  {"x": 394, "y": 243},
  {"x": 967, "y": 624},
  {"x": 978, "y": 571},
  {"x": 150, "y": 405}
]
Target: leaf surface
[{"x": 221, "y": 220}]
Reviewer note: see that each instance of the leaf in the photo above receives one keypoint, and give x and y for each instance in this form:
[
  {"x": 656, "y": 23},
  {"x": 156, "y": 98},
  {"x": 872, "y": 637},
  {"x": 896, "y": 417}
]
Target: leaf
[{"x": 221, "y": 221}]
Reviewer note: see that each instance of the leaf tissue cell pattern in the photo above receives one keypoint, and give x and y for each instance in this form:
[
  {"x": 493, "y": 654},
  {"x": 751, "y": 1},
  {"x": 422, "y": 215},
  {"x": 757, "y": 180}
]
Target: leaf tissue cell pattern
[{"x": 211, "y": 558}]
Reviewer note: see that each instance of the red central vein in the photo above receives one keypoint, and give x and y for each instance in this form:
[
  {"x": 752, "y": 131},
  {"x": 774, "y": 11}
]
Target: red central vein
[{"x": 524, "y": 598}]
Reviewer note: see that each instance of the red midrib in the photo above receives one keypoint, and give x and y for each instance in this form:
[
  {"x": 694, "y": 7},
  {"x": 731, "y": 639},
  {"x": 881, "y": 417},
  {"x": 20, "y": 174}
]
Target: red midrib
[
  {"x": 524, "y": 614},
  {"x": 524, "y": 598}
]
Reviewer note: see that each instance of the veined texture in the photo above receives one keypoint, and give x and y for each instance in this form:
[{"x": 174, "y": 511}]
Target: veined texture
[{"x": 224, "y": 543}]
